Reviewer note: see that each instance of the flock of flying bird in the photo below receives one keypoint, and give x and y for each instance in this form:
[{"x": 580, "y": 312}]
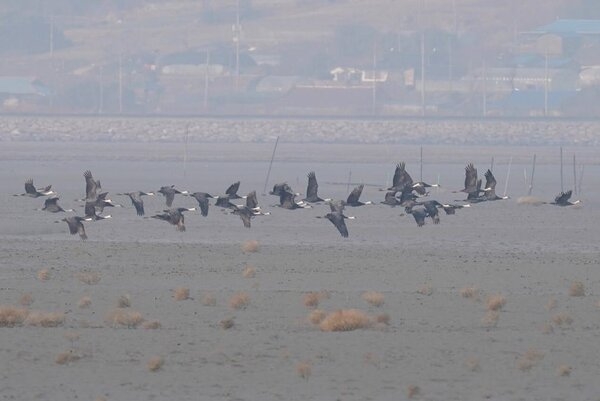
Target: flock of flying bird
[{"x": 404, "y": 192}]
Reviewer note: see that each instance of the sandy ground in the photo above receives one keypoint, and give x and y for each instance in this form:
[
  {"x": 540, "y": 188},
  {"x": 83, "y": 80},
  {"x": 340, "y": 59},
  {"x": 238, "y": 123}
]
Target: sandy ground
[{"x": 438, "y": 345}]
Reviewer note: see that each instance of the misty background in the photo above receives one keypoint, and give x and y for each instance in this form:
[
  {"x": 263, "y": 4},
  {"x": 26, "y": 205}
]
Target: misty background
[{"x": 301, "y": 57}]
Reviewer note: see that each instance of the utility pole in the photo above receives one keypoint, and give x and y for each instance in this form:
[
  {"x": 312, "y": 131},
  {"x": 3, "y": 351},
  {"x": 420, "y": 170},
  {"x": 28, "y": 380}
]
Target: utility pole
[
  {"x": 206, "y": 80},
  {"x": 120, "y": 83},
  {"x": 52, "y": 35},
  {"x": 484, "y": 89},
  {"x": 546, "y": 85},
  {"x": 374, "y": 99},
  {"x": 423, "y": 74},
  {"x": 236, "y": 38}
]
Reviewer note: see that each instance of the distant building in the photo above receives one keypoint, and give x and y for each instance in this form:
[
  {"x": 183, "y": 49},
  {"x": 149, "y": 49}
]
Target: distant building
[{"x": 21, "y": 93}]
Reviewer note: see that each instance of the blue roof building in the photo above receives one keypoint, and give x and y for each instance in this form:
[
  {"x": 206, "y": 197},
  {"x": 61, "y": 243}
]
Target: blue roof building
[{"x": 23, "y": 86}]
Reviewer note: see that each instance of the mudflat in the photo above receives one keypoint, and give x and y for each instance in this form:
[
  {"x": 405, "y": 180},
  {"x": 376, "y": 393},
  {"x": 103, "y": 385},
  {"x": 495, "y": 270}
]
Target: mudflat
[{"x": 499, "y": 301}]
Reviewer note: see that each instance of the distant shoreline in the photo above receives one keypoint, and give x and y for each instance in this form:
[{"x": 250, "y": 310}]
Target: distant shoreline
[{"x": 413, "y": 131}]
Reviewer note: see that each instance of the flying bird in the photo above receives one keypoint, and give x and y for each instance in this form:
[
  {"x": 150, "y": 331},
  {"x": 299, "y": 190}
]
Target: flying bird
[
  {"x": 32, "y": 192},
  {"x": 489, "y": 192},
  {"x": 169, "y": 193},
  {"x": 137, "y": 201},
  {"x": 337, "y": 219},
  {"x": 231, "y": 191},
  {"x": 353, "y": 198},
  {"x": 312, "y": 188},
  {"x": 562, "y": 199},
  {"x": 174, "y": 217},
  {"x": 92, "y": 187},
  {"x": 51, "y": 205},
  {"x": 75, "y": 224},
  {"x": 202, "y": 199}
]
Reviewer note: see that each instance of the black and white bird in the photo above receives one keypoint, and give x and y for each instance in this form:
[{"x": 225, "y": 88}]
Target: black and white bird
[
  {"x": 279, "y": 188},
  {"x": 231, "y": 191},
  {"x": 169, "y": 192},
  {"x": 90, "y": 212},
  {"x": 75, "y": 224},
  {"x": 337, "y": 219},
  {"x": 51, "y": 205},
  {"x": 92, "y": 187},
  {"x": 562, "y": 199},
  {"x": 489, "y": 192},
  {"x": 33, "y": 192},
  {"x": 203, "y": 203},
  {"x": 137, "y": 201},
  {"x": 312, "y": 189},
  {"x": 353, "y": 198},
  {"x": 245, "y": 213},
  {"x": 174, "y": 217},
  {"x": 391, "y": 200},
  {"x": 287, "y": 200}
]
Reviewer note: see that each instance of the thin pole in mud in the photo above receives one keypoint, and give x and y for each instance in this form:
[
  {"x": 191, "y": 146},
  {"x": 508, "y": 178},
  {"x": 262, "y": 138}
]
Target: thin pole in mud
[
  {"x": 492, "y": 164},
  {"x": 581, "y": 177},
  {"x": 270, "y": 165},
  {"x": 507, "y": 177},
  {"x": 574, "y": 175},
  {"x": 349, "y": 181},
  {"x": 532, "y": 173},
  {"x": 562, "y": 188},
  {"x": 421, "y": 160},
  {"x": 185, "y": 149}
]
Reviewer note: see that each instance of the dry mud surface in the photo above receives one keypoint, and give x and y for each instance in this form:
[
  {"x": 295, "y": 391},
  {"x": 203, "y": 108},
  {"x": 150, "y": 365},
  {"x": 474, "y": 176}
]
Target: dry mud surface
[{"x": 439, "y": 344}]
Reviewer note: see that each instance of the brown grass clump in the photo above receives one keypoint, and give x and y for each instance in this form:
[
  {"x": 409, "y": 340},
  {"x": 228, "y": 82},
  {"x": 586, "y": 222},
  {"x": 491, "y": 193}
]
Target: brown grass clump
[
  {"x": 529, "y": 359},
  {"x": 373, "y": 298},
  {"x": 209, "y": 299},
  {"x": 181, "y": 293},
  {"x": 43, "y": 275},
  {"x": 562, "y": 319},
  {"x": 250, "y": 246},
  {"x": 577, "y": 289},
  {"x": 45, "y": 319},
  {"x": 564, "y": 370},
  {"x": 345, "y": 320},
  {"x": 530, "y": 200},
  {"x": 383, "y": 318},
  {"x": 239, "y": 301},
  {"x": 151, "y": 325},
  {"x": 123, "y": 317},
  {"x": 316, "y": 316},
  {"x": 155, "y": 363},
  {"x": 551, "y": 304},
  {"x": 249, "y": 272},
  {"x": 11, "y": 316},
  {"x": 304, "y": 369},
  {"x": 25, "y": 299},
  {"x": 124, "y": 301},
  {"x": 67, "y": 357},
  {"x": 547, "y": 328},
  {"x": 472, "y": 364},
  {"x": 425, "y": 289},
  {"x": 84, "y": 302},
  {"x": 490, "y": 319},
  {"x": 495, "y": 302},
  {"x": 470, "y": 293},
  {"x": 312, "y": 299},
  {"x": 226, "y": 324},
  {"x": 89, "y": 278},
  {"x": 72, "y": 336},
  {"x": 413, "y": 391}
]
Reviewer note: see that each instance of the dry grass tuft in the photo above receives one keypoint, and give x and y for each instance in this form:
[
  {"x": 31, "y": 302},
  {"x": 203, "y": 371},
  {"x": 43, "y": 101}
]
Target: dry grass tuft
[
  {"x": 84, "y": 302},
  {"x": 373, "y": 298},
  {"x": 470, "y": 293},
  {"x": 155, "y": 363},
  {"x": 151, "y": 325},
  {"x": 45, "y": 319},
  {"x": 72, "y": 336},
  {"x": 250, "y": 246},
  {"x": 123, "y": 317},
  {"x": 547, "y": 328},
  {"x": 495, "y": 302},
  {"x": 67, "y": 357},
  {"x": 345, "y": 320},
  {"x": 11, "y": 316},
  {"x": 383, "y": 318},
  {"x": 413, "y": 391},
  {"x": 249, "y": 272},
  {"x": 226, "y": 324},
  {"x": 551, "y": 304},
  {"x": 577, "y": 289},
  {"x": 43, "y": 275},
  {"x": 530, "y": 200},
  {"x": 239, "y": 300},
  {"x": 181, "y": 293},
  {"x": 473, "y": 364},
  {"x": 124, "y": 301},
  {"x": 25, "y": 299},
  {"x": 564, "y": 370},
  {"x": 562, "y": 319},
  {"x": 304, "y": 369},
  {"x": 312, "y": 299},
  {"x": 209, "y": 299},
  {"x": 425, "y": 289},
  {"x": 529, "y": 359},
  {"x": 490, "y": 319},
  {"x": 316, "y": 316},
  {"x": 89, "y": 278}
]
